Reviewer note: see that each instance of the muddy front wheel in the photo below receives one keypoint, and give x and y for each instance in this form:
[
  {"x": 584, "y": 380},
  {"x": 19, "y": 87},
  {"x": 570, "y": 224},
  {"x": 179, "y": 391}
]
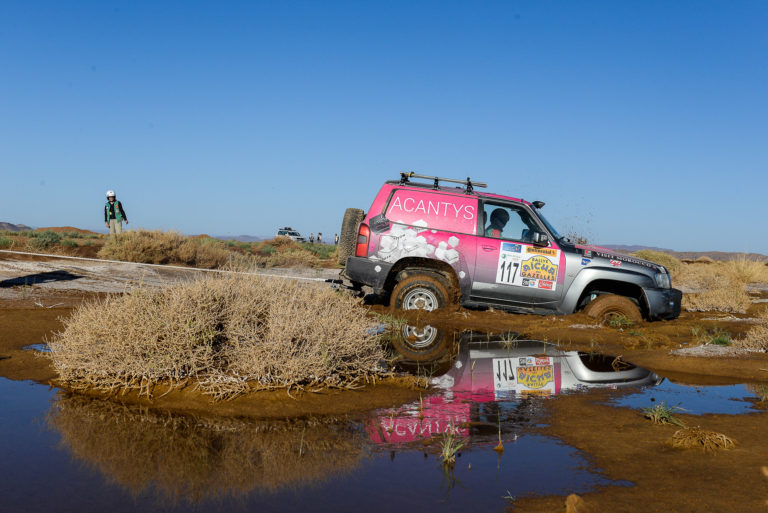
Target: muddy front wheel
[
  {"x": 420, "y": 292},
  {"x": 610, "y": 306}
]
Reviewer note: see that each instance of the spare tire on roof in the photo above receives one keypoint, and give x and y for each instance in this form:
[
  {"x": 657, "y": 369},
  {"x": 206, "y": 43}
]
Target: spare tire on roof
[{"x": 348, "y": 237}]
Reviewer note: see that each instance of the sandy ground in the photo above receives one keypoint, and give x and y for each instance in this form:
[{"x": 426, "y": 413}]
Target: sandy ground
[{"x": 26, "y": 276}]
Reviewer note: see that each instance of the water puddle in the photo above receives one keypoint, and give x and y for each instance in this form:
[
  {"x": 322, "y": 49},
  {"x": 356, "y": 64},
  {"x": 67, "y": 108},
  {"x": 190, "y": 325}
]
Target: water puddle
[
  {"x": 43, "y": 348},
  {"x": 98, "y": 455},
  {"x": 696, "y": 400}
]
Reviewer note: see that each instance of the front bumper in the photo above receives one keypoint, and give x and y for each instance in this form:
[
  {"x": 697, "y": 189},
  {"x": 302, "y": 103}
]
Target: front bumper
[
  {"x": 663, "y": 303},
  {"x": 367, "y": 272}
]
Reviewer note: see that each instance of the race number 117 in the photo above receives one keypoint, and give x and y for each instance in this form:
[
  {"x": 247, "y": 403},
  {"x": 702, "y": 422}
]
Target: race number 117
[{"x": 507, "y": 271}]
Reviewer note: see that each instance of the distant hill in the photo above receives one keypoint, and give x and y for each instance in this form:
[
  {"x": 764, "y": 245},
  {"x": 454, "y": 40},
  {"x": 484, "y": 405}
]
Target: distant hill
[
  {"x": 687, "y": 255},
  {"x": 14, "y": 227},
  {"x": 65, "y": 229}
]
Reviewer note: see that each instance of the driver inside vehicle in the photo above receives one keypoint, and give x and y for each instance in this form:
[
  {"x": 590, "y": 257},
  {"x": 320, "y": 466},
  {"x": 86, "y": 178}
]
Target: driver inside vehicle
[
  {"x": 499, "y": 219},
  {"x": 509, "y": 223}
]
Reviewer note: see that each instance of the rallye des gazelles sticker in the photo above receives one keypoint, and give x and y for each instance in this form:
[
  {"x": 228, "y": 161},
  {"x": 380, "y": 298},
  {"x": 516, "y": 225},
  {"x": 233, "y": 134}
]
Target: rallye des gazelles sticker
[
  {"x": 528, "y": 266},
  {"x": 594, "y": 251},
  {"x": 526, "y": 375}
]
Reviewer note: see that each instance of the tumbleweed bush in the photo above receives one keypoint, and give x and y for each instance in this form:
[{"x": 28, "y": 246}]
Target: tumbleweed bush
[{"x": 225, "y": 334}]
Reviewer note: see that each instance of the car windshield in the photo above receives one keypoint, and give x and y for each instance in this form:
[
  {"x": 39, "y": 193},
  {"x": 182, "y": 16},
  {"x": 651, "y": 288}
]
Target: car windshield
[{"x": 548, "y": 225}]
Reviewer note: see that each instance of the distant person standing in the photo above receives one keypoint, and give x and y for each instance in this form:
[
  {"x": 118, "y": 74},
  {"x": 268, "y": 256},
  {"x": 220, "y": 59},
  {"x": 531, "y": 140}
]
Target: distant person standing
[
  {"x": 336, "y": 239},
  {"x": 319, "y": 237},
  {"x": 114, "y": 215},
  {"x": 311, "y": 238}
]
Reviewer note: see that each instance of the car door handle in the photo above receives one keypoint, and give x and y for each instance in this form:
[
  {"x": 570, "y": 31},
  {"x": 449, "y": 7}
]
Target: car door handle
[{"x": 489, "y": 248}]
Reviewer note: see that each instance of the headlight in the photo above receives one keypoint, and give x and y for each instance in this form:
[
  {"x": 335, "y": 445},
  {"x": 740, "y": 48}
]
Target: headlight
[{"x": 662, "y": 280}]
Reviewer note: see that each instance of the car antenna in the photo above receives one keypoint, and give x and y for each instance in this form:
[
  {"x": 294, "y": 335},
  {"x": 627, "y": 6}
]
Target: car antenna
[{"x": 468, "y": 183}]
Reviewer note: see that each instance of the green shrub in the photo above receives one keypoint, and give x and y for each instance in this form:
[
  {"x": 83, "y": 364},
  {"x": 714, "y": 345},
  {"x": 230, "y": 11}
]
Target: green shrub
[
  {"x": 5, "y": 242},
  {"x": 322, "y": 251},
  {"x": 67, "y": 243},
  {"x": 44, "y": 240}
]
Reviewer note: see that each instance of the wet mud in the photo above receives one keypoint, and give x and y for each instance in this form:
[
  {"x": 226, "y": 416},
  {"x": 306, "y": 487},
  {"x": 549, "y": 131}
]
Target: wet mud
[{"x": 628, "y": 447}]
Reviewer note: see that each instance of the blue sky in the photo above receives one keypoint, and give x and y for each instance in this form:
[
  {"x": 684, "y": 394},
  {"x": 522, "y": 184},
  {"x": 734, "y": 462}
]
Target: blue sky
[{"x": 637, "y": 122}]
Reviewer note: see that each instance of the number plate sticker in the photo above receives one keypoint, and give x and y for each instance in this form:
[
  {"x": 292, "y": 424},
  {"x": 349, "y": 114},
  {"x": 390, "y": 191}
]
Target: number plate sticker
[
  {"x": 503, "y": 374},
  {"x": 528, "y": 266}
]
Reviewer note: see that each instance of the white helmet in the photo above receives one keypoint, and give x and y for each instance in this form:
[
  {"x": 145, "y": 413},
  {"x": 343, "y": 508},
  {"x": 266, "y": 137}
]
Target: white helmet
[{"x": 110, "y": 193}]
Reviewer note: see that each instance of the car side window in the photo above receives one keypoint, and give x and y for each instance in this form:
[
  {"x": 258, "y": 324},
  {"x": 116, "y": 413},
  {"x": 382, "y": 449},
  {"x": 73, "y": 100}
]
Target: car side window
[{"x": 508, "y": 222}]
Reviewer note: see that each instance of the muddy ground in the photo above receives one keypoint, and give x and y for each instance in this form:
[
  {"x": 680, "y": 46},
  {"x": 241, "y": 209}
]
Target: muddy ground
[{"x": 35, "y": 294}]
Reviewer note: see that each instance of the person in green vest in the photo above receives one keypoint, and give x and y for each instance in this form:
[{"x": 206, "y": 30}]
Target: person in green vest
[{"x": 114, "y": 215}]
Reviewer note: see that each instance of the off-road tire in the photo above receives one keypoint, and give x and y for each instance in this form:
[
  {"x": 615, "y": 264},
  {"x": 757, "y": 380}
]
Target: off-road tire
[
  {"x": 606, "y": 306},
  {"x": 421, "y": 292},
  {"x": 421, "y": 344},
  {"x": 348, "y": 237}
]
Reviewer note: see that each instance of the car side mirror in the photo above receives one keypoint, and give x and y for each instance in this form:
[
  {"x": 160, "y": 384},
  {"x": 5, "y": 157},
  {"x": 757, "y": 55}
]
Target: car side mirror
[{"x": 540, "y": 239}]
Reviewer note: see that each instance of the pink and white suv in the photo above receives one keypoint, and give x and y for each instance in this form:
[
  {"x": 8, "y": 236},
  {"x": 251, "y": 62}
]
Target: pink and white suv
[{"x": 428, "y": 246}]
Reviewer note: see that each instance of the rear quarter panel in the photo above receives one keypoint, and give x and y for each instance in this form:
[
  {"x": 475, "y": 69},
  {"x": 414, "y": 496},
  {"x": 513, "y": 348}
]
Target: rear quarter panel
[{"x": 424, "y": 224}]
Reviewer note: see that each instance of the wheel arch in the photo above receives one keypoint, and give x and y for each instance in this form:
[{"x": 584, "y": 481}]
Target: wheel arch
[
  {"x": 627, "y": 283},
  {"x": 410, "y": 266}
]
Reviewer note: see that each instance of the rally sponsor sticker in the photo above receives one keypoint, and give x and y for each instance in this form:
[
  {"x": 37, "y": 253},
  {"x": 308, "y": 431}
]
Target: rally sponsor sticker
[
  {"x": 527, "y": 374},
  {"x": 536, "y": 377},
  {"x": 528, "y": 266}
]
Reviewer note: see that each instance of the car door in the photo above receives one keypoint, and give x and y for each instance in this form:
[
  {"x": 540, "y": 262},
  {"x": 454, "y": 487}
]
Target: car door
[{"x": 509, "y": 268}]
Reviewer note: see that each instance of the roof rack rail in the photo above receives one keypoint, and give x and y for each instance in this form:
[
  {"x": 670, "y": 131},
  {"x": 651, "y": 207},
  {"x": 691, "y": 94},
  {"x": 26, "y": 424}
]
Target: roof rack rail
[{"x": 468, "y": 184}]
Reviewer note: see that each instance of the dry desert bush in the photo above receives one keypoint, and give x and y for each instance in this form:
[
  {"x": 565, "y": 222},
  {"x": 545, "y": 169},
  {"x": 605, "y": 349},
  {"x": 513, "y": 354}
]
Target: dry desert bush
[
  {"x": 697, "y": 438},
  {"x": 747, "y": 270},
  {"x": 165, "y": 247},
  {"x": 720, "y": 286},
  {"x": 278, "y": 258},
  {"x": 281, "y": 252},
  {"x": 671, "y": 263},
  {"x": 715, "y": 286},
  {"x": 225, "y": 335},
  {"x": 716, "y": 292},
  {"x": 756, "y": 338},
  {"x": 198, "y": 458}
]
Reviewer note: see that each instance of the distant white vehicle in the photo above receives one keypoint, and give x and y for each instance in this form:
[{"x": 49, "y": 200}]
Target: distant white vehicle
[{"x": 291, "y": 234}]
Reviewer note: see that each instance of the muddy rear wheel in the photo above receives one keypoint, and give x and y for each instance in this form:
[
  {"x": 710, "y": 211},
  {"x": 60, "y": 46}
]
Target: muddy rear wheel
[
  {"x": 610, "y": 306},
  {"x": 348, "y": 238},
  {"x": 421, "y": 292}
]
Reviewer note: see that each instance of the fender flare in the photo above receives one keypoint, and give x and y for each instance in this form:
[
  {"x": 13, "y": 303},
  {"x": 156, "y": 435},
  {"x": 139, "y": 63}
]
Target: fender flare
[{"x": 592, "y": 274}]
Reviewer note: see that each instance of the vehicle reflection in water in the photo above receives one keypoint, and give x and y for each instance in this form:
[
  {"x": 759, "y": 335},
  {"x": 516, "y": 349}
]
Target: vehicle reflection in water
[
  {"x": 176, "y": 456},
  {"x": 490, "y": 388}
]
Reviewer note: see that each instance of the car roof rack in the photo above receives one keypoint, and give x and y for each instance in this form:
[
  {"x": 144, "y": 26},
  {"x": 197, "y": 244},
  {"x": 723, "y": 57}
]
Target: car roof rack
[{"x": 468, "y": 184}]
